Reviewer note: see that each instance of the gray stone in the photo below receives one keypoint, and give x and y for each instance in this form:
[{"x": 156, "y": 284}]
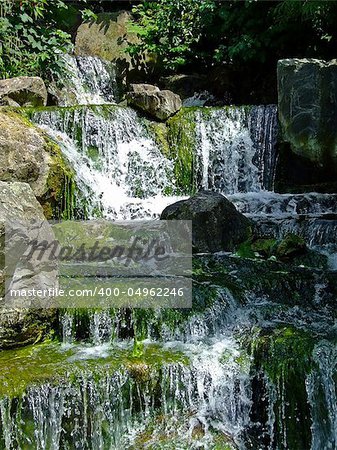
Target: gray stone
[
  {"x": 23, "y": 91},
  {"x": 27, "y": 155},
  {"x": 153, "y": 101},
  {"x": 217, "y": 225},
  {"x": 23, "y": 320},
  {"x": 307, "y": 91}
]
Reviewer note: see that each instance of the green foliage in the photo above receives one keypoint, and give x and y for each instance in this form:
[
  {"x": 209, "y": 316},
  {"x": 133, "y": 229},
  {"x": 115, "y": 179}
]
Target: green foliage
[
  {"x": 88, "y": 15},
  {"x": 30, "y": 41},
  {"x": 210, "y": 32},
  {"x": 169, "y": 28}
]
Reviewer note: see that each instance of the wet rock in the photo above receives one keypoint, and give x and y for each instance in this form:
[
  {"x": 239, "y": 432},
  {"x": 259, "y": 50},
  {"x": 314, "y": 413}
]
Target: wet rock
[
  {"x": 27, "y": 155},
  {"x": 291, "y": 246},
  {"x": 307, "y": 106},
  {"x": 217, "y": 225},
  {"x": 23, "y": 91},
  {"x": 22, "y": 218},
  {"x": 153, "y": 101},
  {"x": 186, "y": 85},
  {"x": 108, "y": 38}
]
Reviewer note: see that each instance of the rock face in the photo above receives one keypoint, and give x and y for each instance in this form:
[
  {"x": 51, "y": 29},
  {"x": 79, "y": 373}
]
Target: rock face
[
  {"x": 307, "y": 92},
  {"x": 23, "y": 91},
  {"x": 217, "y": 225},
  {"x": 107, "y": 38},
  {"x": 157, "y": 103},
  {"x": 26, "y": 155},
  {"x": 18, "y": 205}
]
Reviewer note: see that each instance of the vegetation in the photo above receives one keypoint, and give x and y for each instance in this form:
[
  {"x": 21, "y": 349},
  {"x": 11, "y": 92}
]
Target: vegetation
[
  {"x": 33, "y": 37},
  {"x": 189, "y": 33}
]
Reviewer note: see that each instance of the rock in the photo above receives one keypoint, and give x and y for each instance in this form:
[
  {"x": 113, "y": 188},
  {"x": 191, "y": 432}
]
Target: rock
[
  {"x": 217, "y": 225},
  {"x": 23, "y": 91},
  {"x": 27, "y": 155},
  {"x": 307, "y": 105},
  {"x": 290, "y": 246},
  {"x": 22, "y": 325},
  {"x": 106, "y": 38},
  {"x": 186, "y": 85},
  {"x": 156, "y": 103}
]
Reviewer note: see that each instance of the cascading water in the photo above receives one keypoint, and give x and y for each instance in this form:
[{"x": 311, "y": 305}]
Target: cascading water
[
  {"x": 236, "y": 148},
  {"x": 119, "y": 168},
  {"x": 90, "y": 81},
  {"x": 251, "y": 366},
  {"x": 122, "y": 170}
]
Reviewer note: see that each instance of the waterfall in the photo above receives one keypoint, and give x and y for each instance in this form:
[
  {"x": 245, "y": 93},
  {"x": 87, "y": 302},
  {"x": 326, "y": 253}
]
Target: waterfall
[
  {"x": 259, "y": 343},
  {"x": 236, "y": 148},
  {"x": 120, "y": 170},
  {"x": 100, "y": 408},
  {"x": 89, "y": 81}
]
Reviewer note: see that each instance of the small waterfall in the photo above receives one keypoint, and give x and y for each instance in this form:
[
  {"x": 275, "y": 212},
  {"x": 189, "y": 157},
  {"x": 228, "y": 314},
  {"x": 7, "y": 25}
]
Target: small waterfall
[
  {"x": 312, "y": 216},
  {"x": 236, "y": 148},
  {"x": 90, "y": 81},
  {"x": 120, "y": 171},
  {"x": 98, "y": 409},
  {"x": 322, "y": 394}
]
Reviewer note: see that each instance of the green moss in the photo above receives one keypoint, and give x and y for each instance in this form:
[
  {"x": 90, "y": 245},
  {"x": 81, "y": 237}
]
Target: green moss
[
  {"x": 158, "y": 131},
  {"x": 291, "y": 245},
  {"x": 285, "y": 357},
  {"x": 284, "y": 352},
  {"x": 50, "y": 362},
  {"x": 182, "y": 145},
  {"x": 59, "y": 201}
]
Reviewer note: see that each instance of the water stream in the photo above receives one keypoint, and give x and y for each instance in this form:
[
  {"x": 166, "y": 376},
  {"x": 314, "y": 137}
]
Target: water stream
[{"x": 252, "y": 366}]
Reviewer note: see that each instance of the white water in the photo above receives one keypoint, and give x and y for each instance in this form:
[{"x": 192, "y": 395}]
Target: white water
[
  {"x": 90, "y": 81},
  {"x": 119, "y": 169},
  {"x": 235, "y": 148},
  {"x": 122, "y": 173}
]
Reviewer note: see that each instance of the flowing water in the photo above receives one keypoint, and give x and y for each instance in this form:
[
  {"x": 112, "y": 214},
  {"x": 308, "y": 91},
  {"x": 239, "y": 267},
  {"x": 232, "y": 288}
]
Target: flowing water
[
  {"x": 90, "y": 81},
  {"x": 253, "y": 365}
]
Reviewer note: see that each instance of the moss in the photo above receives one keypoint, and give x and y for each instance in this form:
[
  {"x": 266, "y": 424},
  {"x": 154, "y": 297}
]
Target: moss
[
  {"x": 181, "y": 139},
  {"x": 59, "y": 201},
  {"x": 284, "y": 352},
  {"x": 291, "y": 245},
  {"x": 285, "y": 357},
  {"x": 158, "y": 131},
  {"x": 50, "y": 362},
  {"x": 245, "y": 250}
]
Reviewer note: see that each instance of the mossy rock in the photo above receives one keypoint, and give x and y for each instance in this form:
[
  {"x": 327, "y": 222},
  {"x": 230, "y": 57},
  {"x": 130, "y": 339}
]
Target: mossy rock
[
  {"x": 28, "y": 155},
  {"x": 284, "y": 357},
  {"x": 292, "y": 245},
  {"x": 58, "y": 202},
  {"x": 182, "y": 142}
]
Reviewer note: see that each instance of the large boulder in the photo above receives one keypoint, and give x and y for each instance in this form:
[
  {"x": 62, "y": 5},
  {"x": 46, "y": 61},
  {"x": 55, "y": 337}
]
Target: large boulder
[
  {"x": 106, "y": 38},
  {"x": 27, "y": 155},
  {"x": 21, "y": 216},
  {"x": 23, "y": 91},
  {"x": 307, "y": 104},
  {"x": 153, "y": 101},
  {"x": 216, "y": 224}
]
